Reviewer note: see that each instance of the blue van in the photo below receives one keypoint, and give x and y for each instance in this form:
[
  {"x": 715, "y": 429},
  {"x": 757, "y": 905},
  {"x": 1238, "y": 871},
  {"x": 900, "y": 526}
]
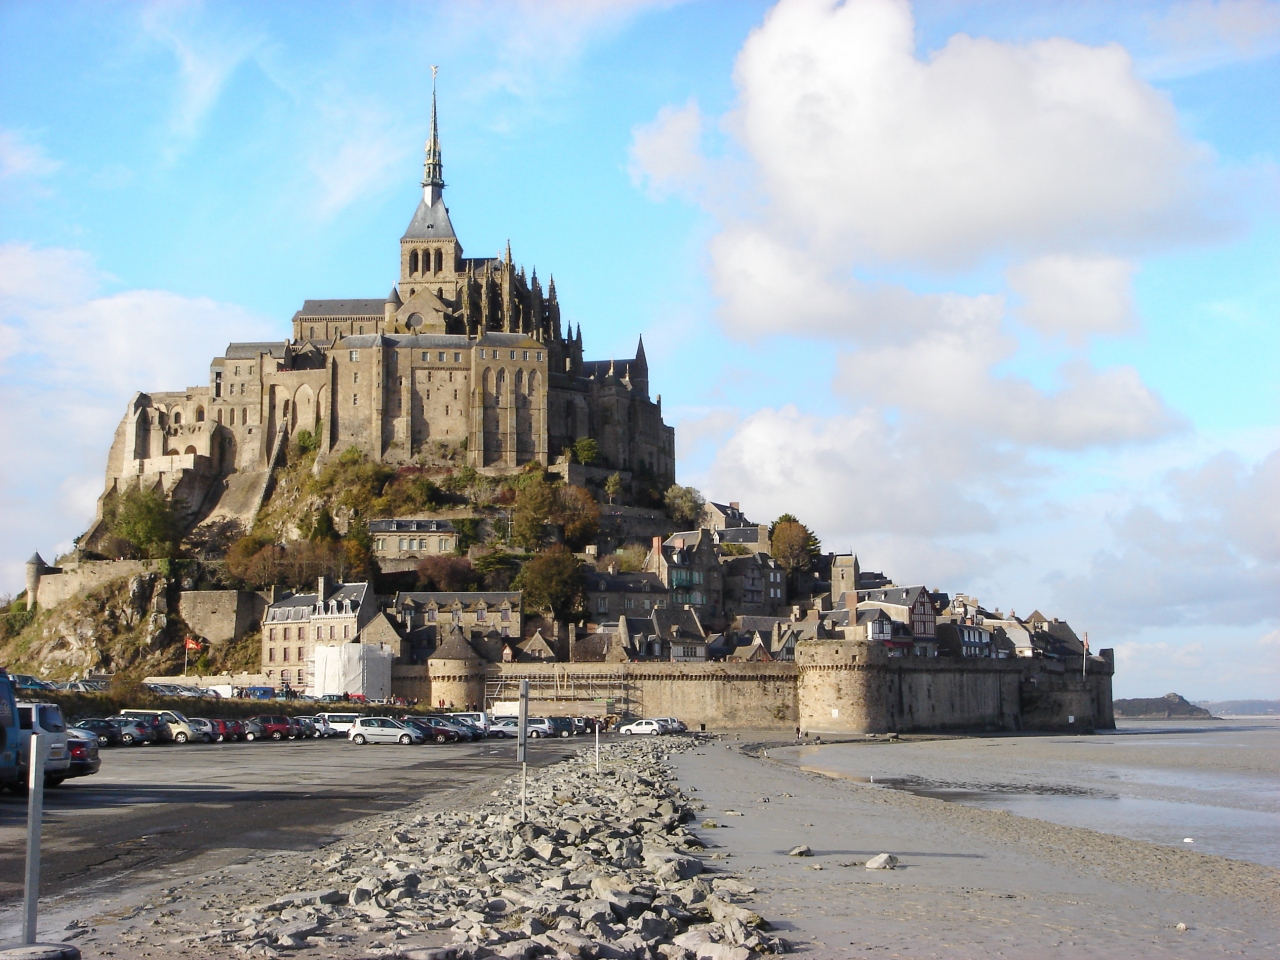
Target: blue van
[{"x": 9, "y": 734}]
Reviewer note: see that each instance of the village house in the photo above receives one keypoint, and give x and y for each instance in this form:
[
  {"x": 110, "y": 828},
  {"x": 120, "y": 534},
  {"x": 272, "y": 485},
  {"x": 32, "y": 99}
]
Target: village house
[
  {"x": 611, "y": 594},
  {"x": 412, "y": 539},
  {"x": 486, "y": 618},
  {"x": 689, "y": 566},
  {"x": 754, "y": 585}
]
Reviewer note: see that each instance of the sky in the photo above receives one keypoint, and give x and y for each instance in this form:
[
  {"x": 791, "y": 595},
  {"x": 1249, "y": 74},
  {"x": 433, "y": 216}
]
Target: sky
[{"x": 984, "y": 291}]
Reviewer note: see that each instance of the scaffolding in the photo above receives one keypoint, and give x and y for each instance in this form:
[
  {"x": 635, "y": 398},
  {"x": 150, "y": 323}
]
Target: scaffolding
[{"x": 611, "y": 689}]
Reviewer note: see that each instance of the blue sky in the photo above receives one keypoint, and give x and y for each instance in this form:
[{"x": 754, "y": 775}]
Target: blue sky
[{"x": 986, "y": 291}]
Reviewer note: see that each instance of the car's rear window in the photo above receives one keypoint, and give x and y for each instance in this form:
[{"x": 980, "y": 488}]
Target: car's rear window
[{"x": 51, "y": 719}]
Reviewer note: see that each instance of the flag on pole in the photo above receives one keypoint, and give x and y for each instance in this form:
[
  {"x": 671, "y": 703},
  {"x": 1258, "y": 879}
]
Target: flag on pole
[{"x": 193, "y": 644}]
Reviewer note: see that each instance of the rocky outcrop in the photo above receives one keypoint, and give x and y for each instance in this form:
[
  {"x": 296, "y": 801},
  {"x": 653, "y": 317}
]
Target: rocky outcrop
[{"x": 1171, "y": 706}]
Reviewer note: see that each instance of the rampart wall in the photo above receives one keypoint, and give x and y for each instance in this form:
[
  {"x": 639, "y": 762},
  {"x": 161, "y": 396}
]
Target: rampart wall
[
  {"x": 221, "y": 616},
  {"x": 86, "y": 575}
]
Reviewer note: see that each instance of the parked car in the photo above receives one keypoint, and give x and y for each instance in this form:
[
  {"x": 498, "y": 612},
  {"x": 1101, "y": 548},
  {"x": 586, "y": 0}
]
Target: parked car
[
  {"x": 441, "y": 730},
  {"x": 25, "y": 685},
  {"x": 203, "y": 729},
  {"x": 562, "y": 726},
  {"x": 462, "y": 723},
  {"x": 538, "y": 727},
  {"x": 307, "y": 728},
  {"x": 133, "y": 731},
  {"x": 43, "y": 718},
  {"x": 341, "y": 722},
  {"x": 477, "y": 718},
  {"x": 82, "y": 747},
  {"x": 10, "y": 733},
  {"x": 171, "y": 726},
  {"x": 253, "y": 730},
  {"x": 383, "y": 730},
  {"x": 274, "y": 728},
  {"x": 672, "y": 725},
  {"x": 224, "y": 731},
  {"x": 320, "y": 727},
  {"x": 648, "y": 727},
  {"x": 108, "y": 733},
  {"x": 505, "y": 728}
]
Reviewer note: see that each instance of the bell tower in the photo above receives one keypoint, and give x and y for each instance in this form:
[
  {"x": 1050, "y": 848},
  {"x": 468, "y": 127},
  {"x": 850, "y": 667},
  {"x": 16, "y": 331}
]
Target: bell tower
[{"x": 430, "y": 255}]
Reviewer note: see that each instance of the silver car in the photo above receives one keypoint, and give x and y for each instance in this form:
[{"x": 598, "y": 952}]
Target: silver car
[{"x": 382, "y": 730}]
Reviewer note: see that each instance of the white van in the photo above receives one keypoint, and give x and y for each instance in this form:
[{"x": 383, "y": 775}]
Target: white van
[
  {"x": 341, "y": 722},
  {"x": 46, "y": 719}
]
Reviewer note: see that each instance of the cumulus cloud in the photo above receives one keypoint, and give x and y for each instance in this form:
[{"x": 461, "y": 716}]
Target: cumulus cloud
[
  {"x": 70, "y": 358},
  {"x": 982, "y": 147},
  {"x": 1210, "y": 557},
  {"x": 1075, "y": 296}
]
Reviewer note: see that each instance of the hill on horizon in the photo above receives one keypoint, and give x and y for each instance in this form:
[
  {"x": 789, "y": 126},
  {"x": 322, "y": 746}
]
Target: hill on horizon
[{"x": 1242, "y": 708}]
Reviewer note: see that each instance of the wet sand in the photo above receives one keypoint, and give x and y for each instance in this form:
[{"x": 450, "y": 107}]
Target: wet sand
[{"x": 971, "y": 882}]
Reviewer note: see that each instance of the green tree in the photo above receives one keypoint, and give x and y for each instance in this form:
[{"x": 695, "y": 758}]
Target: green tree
[
  {"x": 578, "y": 511},
  {"x": 554, "y": 582},
  {"x": 613, "y": 486},
  {"x": 684, "y": 504},
  {"x": 535, "y": 501},
  {"x": 323, "y": 528},
  {"x": 145, "y": 520},
  {"x": 793, "y": 545},
  {"x": 586, "y": 451}
]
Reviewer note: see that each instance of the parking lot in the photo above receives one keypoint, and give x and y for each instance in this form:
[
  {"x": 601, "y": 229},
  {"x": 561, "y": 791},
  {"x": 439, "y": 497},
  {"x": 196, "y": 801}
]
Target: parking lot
[{"x": 151, "y": 807}]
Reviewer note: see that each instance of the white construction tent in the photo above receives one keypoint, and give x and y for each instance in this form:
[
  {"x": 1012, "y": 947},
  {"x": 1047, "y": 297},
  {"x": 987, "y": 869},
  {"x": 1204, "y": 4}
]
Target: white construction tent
[{"x": 363, "y": 668}]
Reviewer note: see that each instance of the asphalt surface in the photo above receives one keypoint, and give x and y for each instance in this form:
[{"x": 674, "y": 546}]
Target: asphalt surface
[{"x": 151, "y": 807}]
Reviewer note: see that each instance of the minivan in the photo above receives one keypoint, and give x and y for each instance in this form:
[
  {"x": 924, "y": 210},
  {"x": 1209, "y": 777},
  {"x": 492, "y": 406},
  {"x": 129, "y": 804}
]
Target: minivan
[
  {"x": 173, "y": 725},
  {"x": 476, "y": 718},
  {"x": 43, "y": 718},
  {"x": 341, "y": 722}
]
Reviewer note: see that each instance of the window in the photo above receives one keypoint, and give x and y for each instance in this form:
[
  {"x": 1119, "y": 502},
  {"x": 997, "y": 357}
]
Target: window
[
  {"x": 506, "y": 613},
  {"x": 271, "y": 634},
  {"x": 524, "y": 355},
  {"x": 331, "y": 631},
  {"x": 355, "y": 399},
  {"x": 251, "y": 369},
  {"x": 299, "y": 654},
  {"x": 455, "y": 394},
  {"x": 287, "y": 633},
  {"x": 457, "y": 358},
  {"x": 355, "y": 376},
  {"x": 539, "y": 356},
  {"x": 284, "y": 654},
  {"x": 602, "y": 604},
  {"x": 431, "y": 615},
  {"x": 353, "y": 356},
  {"x": 217, "y": 383},
  {"x": 301, "y": 681},
  {"x": 482, "y": 354},
  {"x": 319, "y": 633},
  {"x": 440, "y": 358},
  {"x": 237, "y": 371},
  {"x": 513, "y": 354},
  {"x": 284, "y": 675},
  {"x": 271, "y": 655},
  {"x": 426, "y": 355},
  {"x": 346, "y": 631},
  {"x": 446, "y": 409},
  {"x": 403, "y": 544}
]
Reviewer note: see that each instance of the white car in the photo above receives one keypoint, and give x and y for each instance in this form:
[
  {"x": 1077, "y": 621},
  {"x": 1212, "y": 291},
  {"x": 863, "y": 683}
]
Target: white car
[
  {"x": 340, "y": 722},
  {"x": 382, "y": 730},
  {"x": 505, "y": 728},
  {"x": 537, "y": 727},
  {"x": 323, "y": 727},
  {"x": 46, "y": 719},
  {"x": 650, "y": 727}
]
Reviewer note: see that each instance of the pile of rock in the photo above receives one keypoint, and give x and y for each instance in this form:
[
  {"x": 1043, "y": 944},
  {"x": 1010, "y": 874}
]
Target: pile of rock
[{"x": 603, "y": 867}]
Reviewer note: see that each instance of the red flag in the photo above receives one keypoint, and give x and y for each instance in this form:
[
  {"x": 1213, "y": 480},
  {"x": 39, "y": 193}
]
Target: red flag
[{"x": 193, "y": 644}]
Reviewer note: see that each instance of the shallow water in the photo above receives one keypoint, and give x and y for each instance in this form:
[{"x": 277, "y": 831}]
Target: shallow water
[{"x": 1217, "y": 784}]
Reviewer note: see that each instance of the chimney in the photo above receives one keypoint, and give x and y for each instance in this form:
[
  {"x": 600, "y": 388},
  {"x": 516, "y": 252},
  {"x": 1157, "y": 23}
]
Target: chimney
[
  {"x": 613, "y": 568},
  {"x": 322, "y": 589},
  {"x": 680, "y": 543},
  {"x": 733, "y": 505},
  {"x": 657, "y": 545}
]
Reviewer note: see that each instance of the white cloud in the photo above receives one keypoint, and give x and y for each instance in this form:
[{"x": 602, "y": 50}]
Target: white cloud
[
  {"x": 70, "y": 358},
  {"x": 666, "y": 154},
  {"x": 354, "y": 151},
  {"x": 1200, "y": 35},
  {"x": 1075, "y": 296},
  {"x": 984, "y": 147},
  {"x": 21, "y": 159}
]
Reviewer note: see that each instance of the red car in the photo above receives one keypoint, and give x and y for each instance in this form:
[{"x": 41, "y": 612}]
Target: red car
[
  {"x": 274, "y": 728},
  {"x": 224, "y": 731}
]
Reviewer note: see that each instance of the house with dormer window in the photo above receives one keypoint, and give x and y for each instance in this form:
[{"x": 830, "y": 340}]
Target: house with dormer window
[{"x": 293, "y": 625}]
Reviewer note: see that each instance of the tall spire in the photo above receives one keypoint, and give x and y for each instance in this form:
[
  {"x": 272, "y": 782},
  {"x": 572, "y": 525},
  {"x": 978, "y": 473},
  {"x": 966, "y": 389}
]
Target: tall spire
[{"x": 432, "y": 168}]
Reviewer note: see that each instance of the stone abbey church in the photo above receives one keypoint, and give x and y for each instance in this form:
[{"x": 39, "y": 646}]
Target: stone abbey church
[{"x": 466, "y": 360}]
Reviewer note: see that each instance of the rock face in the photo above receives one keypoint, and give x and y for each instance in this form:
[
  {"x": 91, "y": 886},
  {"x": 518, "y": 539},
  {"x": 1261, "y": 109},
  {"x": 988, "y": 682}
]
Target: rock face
[
  {"x": 1171, "y": 706},
  {"x": 603, "y": 868}
]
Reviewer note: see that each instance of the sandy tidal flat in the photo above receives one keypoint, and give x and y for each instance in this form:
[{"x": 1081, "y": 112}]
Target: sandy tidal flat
[{"x": 971, "y": 882}]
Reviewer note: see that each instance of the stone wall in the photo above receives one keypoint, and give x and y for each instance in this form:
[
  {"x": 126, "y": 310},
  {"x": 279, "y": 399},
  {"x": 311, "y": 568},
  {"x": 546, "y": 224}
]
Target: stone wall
[
  {"x": 221, "y": 616},
  {"x": 85, "y": 575}
]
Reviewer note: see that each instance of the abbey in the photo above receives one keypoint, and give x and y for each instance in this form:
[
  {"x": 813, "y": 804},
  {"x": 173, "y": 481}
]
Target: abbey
[{"x": 465, "y": 360}]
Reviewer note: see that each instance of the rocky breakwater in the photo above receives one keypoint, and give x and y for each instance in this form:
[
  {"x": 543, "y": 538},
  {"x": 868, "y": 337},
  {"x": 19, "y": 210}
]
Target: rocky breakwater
[{"x": 604, "y": 866}]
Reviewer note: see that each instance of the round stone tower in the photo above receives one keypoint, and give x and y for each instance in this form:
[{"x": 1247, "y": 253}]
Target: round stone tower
[
  {"x": 842, "y": 686},
  {"x": 35, "y": 569},
  {"x": 456, "y": 673}
]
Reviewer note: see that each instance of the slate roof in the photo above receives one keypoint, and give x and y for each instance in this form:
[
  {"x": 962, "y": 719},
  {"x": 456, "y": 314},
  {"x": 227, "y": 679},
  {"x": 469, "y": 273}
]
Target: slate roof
[
  {"x": 410, "y": 526},
  {"x": 250, "y": 351},
  {"x": 430, "y": 222},
  {"x": 283, "y": 610},
  {"x": 625, "y": 583},
  {"x": 342, "y": 308},
  {"x": 424, "y": 598},
  {"x": 744, "y": 535},
  {"x": 454, "y": 646}
]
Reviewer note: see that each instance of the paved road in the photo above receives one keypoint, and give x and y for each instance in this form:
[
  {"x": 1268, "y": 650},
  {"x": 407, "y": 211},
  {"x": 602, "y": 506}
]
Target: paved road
[{"x": 153, "y": 806}]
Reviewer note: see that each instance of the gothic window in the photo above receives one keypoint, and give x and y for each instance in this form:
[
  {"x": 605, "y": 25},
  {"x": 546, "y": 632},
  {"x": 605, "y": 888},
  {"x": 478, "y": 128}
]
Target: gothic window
[
  {"x": 219, "y": 414},
  {"x": 499, "y": 385},
  {"x": 533, "y": 383},
  {"x": 519, "y": 384},
  {"x": 413, "y": 262},
  {"x": 244, "y": 415},
  {"x": 439, "y": 261},
  {"x": 177, "y": 416},
  {"x": 313, "y": 333},
  {"x": 362, "y": 328},
  {"x": 199, "y": 414}
]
